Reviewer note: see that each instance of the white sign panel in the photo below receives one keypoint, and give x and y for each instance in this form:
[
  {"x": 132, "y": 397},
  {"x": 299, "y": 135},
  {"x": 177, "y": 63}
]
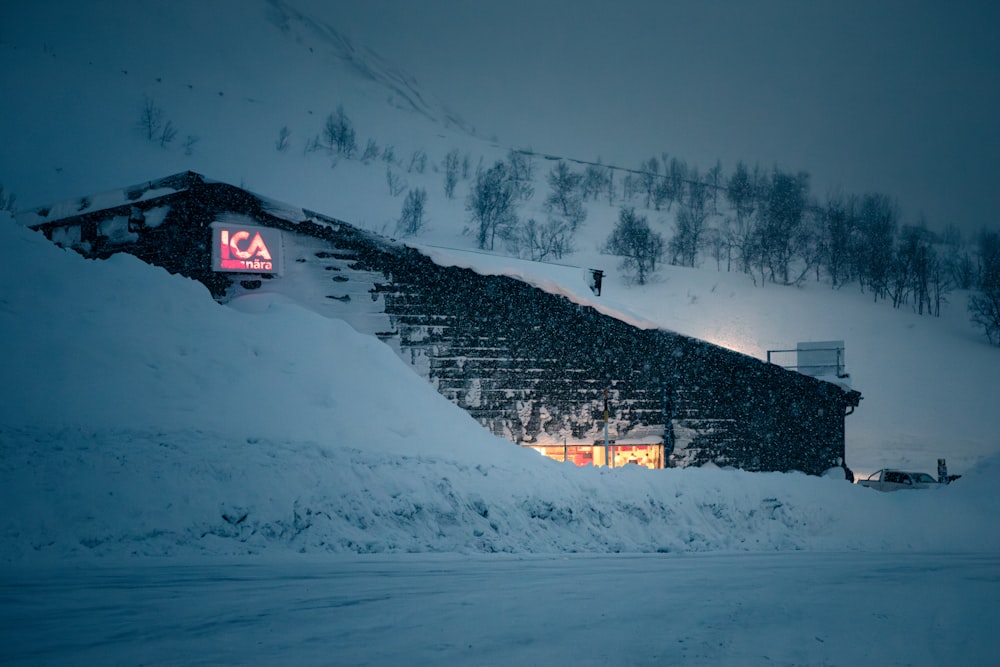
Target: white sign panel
[{"x": 821, "y": 358}]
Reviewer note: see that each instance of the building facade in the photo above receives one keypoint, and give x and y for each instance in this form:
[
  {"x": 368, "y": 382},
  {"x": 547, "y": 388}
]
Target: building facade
[{"x": 531, "y": 366}]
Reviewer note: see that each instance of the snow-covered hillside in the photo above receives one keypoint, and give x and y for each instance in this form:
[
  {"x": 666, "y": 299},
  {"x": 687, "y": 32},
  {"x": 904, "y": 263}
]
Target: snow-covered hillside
[
  {"x": 228, "y": 75},
  {"x": 139, "y": 419}
]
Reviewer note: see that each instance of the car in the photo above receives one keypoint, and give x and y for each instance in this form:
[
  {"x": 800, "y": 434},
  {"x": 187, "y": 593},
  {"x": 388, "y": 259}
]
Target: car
[{"x": 888, "y": 479}]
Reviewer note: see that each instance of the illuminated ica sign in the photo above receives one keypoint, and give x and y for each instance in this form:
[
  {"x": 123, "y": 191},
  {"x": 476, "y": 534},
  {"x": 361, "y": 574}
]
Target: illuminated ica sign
[{"x": 244, "y": 249}]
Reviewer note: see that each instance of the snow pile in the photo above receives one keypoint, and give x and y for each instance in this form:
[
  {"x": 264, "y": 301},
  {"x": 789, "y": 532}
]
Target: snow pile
[
  {"x": 140, "y": 417},
  {"x": 137, "y": 416}
]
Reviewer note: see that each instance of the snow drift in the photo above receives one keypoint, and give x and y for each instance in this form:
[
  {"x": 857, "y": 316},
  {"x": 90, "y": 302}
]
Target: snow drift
[{"x": 139, "y": 417}]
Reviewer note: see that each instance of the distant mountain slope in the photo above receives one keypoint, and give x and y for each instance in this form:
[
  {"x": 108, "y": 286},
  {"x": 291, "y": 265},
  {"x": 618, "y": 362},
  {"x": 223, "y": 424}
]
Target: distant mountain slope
[
  {"x": 228, "y": 75},
  {"x": 404, "y": 92}
]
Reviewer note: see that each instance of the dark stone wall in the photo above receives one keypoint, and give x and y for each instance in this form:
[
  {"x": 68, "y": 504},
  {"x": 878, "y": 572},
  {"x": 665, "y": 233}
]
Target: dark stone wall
[
  {"x": 527, "y": 364},
  {"x": 507, "y": 352}
]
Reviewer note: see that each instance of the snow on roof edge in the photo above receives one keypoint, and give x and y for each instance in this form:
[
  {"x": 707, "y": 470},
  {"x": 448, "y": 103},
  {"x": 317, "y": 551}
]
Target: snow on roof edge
[{"x": 109, "y": 199}]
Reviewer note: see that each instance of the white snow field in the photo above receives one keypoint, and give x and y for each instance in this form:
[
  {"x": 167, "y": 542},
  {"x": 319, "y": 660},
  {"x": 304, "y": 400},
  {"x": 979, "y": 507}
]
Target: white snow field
[{"x": 186, "y": 483}]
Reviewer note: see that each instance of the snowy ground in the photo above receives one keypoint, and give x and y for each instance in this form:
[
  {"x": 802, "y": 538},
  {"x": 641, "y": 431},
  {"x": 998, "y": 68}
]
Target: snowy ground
[
  {"x": 184, "y": 483},
  {"x": 191, "y": 484},
  {"x": 706, "y": 609}
]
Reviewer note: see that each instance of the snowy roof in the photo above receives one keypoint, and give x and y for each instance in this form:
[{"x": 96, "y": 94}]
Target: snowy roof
[{"x": 110, "y": 199}]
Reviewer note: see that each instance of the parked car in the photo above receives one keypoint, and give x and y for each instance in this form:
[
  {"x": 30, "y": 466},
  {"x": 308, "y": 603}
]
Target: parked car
[{"x": 888, "y": 479}]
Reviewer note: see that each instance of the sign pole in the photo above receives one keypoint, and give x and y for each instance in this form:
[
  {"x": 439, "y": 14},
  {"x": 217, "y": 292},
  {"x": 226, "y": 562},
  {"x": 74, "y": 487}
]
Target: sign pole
[{"x": 607, "y": 460}]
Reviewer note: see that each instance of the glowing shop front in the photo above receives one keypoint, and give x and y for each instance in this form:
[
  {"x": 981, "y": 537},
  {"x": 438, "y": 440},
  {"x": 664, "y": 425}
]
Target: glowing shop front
[{"x": 647, "y": 452}]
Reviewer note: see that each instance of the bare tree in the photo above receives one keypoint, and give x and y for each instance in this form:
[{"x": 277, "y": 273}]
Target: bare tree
[
  {"x": 596, "y": 180},
  {"x": 491, "y": 203},
  {"x": 716, "y": 241},
  {"x": 150, "y": 118},
  {"x": 740, "y": 192},
  {"x": 564, "y": 197},
  {"x": 781, "y": 222},
  {"x": 697, "y": 192},
  {"x": 451, "y": 167},
  {"x": 283, "y": 136},
  {"x": 877, "y": 220},
  {"x": 839, "y": 224},
  {"x": 908, "y": 270},
  {"x": 190, "y": 141},
  {"x": 743, "y": 191},
  {"x": 394, "y": 181},
  {"x": 807, "y": 243},
  {"x": 630, "y": 186},
  {"x": 649, "y": 178},
  {"x": 411, "y": 219},
  {"x": 312, "y": 145},
  {"x": 686, "y": 241},
  {"x": 638, "y": 245},
  {"x": 371, "y": 152},
  {"x": 714, "y": 183},
  {"x": 154, "y": 126},
  {"x": 691, "y": 224},
  {"x": 418, "y": 162},
  {"x": 984, "y": 309},
  {"x": 521, "y": 170},
  {"x": 984, "y": 304},
  {"x": 338, "y": 133},
  {"x": 551, "y": 240},
  {"x": 672, "y": 185},
  {"x": 167, "y": 134},
  {"x": 6, "y": 200},
  {"x": 939, "y": 283}
]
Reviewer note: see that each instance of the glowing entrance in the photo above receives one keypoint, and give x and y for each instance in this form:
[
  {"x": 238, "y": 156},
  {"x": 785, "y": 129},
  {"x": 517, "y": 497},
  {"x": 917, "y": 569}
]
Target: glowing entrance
[{"x": 623, "y": 453}]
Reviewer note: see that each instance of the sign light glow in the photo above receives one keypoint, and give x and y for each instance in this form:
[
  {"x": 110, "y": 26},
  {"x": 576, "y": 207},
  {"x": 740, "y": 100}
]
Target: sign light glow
[{"x": 244, "y": 249}]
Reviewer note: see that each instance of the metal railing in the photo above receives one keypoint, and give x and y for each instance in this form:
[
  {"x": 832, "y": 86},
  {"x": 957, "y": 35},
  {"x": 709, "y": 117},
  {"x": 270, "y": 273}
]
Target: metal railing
[{"x": 837, "y": 367}]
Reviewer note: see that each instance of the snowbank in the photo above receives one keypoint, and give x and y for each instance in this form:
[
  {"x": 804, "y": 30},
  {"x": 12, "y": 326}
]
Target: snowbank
[{"x": 139, "y": 417}]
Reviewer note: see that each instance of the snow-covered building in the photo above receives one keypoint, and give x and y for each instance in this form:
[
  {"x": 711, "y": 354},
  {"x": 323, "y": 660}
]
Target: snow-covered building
[{"x": 530, "y": 365}]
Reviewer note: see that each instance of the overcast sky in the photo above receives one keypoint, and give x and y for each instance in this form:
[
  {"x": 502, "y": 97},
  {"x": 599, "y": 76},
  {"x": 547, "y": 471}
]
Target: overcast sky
[{"x": 897, "y": 97}]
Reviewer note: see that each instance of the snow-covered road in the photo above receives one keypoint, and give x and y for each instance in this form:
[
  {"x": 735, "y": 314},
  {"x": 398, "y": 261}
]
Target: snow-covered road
[{"x": 801, "y": 608}]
